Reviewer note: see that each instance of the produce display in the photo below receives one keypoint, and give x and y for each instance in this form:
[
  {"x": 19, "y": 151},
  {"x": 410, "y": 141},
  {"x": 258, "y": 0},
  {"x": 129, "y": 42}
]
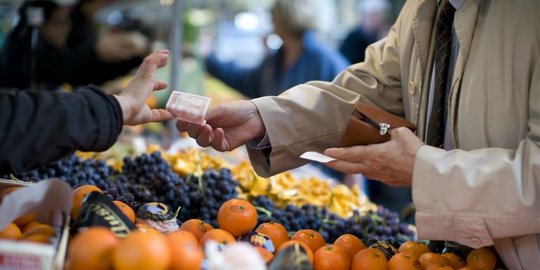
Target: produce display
[{"x": 202, "y": 200}]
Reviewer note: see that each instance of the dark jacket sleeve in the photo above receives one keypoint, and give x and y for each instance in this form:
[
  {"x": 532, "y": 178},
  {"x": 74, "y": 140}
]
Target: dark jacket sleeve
[{"x": 39, "y": 128}]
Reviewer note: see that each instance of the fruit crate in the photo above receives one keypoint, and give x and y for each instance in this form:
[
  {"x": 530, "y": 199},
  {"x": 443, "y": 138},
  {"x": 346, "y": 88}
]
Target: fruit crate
[{"x": 25, "y": 255}]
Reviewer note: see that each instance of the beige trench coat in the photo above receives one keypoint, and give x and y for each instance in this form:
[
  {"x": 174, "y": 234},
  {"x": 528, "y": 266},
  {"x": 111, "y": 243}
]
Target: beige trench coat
[{"x": 488, "y": 190}]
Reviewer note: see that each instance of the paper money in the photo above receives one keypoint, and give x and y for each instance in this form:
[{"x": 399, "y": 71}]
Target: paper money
[
  {"x": 188, "y": 107},
  {"x": 315, "y": 156}
]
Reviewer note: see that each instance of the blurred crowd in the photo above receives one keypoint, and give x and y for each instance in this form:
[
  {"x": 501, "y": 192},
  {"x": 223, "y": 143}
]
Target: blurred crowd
[{"x": 56, "y": 43}]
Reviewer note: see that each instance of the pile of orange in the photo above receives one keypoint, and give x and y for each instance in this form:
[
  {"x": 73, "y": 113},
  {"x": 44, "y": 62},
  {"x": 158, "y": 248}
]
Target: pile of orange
[{"x": 26, "y": 228}]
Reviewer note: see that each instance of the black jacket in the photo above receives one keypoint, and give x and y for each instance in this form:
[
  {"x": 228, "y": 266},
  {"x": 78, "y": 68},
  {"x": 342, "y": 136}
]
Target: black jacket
[{"x": 39, "y": 128}]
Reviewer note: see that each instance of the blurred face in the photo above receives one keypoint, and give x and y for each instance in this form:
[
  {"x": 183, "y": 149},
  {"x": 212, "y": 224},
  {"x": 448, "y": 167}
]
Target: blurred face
[{"x": 56, "y": 30}]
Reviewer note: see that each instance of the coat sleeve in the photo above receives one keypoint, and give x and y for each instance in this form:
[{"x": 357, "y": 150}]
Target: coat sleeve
[
  {"x": 38, "y": 128},
  {"x": 313, "y": 116},
  {"x": 475, "y": 196}
]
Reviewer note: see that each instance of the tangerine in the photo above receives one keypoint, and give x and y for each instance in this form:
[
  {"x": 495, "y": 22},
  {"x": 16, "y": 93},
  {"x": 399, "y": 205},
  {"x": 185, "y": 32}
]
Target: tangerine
[
  {"x": 128, "y": 211},
  {"x": 439, "y": 267},
  {"x": 404, "y": 261},
  {"x": 430, "y": 258},
  {"x": 482, "y": 259},
  {"x": 11, "y": 231},
  {"x": 297, "y": 243},
  {"x": 38, "y": 238},
  {"x": 350, "y": 243},
  {"x": 414, "y": 248},
  {"x": 218, "y": 235},
  {"x": 237, "y": 216},
  {"x": 311, "y": 238},
  {"x": 43, "y": 229},
  {"x": 92, "y": 249},
  {"x": 275, "y": 231},
  {"x": 369, "y": 259},
  {"x": 265, "y": 254},
  {"x": 197, "y": 227},
  {"x": 332, "y": 257},
  {"x": 25, "y": 219},
  {"x": 78, "y": 195},
  {"x": 186, "y": 254},
  {"x": 142, "y": 251},
  {"x": 455, "y": 261}
]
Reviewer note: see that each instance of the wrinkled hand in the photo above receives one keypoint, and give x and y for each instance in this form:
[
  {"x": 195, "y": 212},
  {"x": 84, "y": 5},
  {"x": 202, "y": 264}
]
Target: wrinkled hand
[
  {"x": 390, "y": 162},
  {"x": 132, "y": 99},
  {"x": 228, "y": 126}
]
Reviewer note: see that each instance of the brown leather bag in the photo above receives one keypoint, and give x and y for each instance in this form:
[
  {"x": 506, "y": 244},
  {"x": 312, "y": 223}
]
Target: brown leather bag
[{"x": 370, "y": 124}]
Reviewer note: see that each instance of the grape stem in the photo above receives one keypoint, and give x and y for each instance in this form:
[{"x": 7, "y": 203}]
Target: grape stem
[
  {"x": 264, "y": 210},
  {"x": 13, "y": 177}
]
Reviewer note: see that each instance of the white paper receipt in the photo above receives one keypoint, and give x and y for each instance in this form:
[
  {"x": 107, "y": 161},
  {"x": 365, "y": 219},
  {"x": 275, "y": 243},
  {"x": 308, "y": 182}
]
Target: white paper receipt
[
  {"x": 316, "y": 156},
  {"x": 188, "y": 107}
]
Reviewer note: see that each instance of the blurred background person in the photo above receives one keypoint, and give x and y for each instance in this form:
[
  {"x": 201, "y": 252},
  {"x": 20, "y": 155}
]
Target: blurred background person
[
  {"x": 300, "y": 58},
  {"x": 374, "y": 25},
  {"x": 117, "y": 53},
  {"x": 47, "y": 62}
]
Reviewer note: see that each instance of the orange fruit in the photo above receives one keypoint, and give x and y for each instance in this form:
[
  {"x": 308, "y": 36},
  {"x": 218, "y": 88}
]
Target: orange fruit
[
  {"x": 306, "y": 248},
  {"x": 482, "y": 259},
  {"x": 197, "y": 227},
  {"x": 275, "y": 231},
  {"x": 369, "y": 259},
  {"x": 438, "y": 267},
  {"x": 11, "y": 231},
  {"x": 44, "y": 229},
  {"x": 311, "y": 238},
  {"x": 430, "y": 258},
  {"x": 6, "y": 192},
  {"x": 218, "y": 235},
  {"x": 25, "y": 219},
  {"x": 142, "y": 251},
  {"x": 237, "y": 216},
  {"x": 331, "y": 257},
  {"x": 128, "y": 211},
  {"x": 404, "y": 261},
  {"x": 92, "y": 249},
  {"x": 265, "y": 254},
  {"x": 414, "y": 248},
  {"x": 186, "y": 254},
  {"x": 350, "y": 243},
  {"x": 455, "y": 261},
  {"x": 38, "y": 238},
  {"x": 30, "y": 225},
  {"x": 78, "y": 196}
]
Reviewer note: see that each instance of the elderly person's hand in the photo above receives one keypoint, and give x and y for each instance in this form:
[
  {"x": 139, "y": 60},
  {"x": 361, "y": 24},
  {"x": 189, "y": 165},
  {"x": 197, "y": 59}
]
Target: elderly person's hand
[
  {"x": 391, "y": 162},
  {"x": 132, "y": 99}
]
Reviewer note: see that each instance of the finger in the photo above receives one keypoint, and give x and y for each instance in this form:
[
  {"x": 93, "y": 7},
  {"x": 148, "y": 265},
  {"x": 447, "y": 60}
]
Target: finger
[
  {"x": 348, "y": 167},
  {"x": 159, "y": 85},
  {"x": 151, "y": 63},
  {"x": 352, "y": 153},
  {"x": 219, "y": 143},
  {"x": 159, "y": 115},
  {"x": 182, "y": 126},
  {"x": 194, "y": 130},
  {"x": 205, "y": 136}
]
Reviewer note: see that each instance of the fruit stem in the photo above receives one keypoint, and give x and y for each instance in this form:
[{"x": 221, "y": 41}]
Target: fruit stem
[{"x": 264, "y": 210}]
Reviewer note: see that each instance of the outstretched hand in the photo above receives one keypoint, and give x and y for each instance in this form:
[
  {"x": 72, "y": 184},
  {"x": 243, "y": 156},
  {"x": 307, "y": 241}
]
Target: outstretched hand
[
  {"x": 228, "y": 126},
  {"x": 391, "y": 162},
  {"x": 132, "y": 99}
]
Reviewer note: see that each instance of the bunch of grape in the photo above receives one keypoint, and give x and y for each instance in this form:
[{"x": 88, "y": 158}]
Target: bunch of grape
[
  {"x": 150, "y": 179},
  {"x": 77, "y": 171},
  {"x": 381, "y": 225},
  {"x": 206, "y": 193}
]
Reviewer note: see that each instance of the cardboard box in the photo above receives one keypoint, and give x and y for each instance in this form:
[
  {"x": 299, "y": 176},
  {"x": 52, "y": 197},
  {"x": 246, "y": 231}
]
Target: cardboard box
[{"x": 23, "y": 255}]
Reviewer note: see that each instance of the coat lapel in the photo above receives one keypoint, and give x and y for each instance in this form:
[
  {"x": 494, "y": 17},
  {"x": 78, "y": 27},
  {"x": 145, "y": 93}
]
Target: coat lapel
[{"x": 422, "y": 28}]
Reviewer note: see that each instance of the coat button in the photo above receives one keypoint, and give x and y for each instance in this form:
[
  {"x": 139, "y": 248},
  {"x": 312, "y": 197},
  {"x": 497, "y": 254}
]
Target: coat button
[{"x": 412, "y": 88}]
